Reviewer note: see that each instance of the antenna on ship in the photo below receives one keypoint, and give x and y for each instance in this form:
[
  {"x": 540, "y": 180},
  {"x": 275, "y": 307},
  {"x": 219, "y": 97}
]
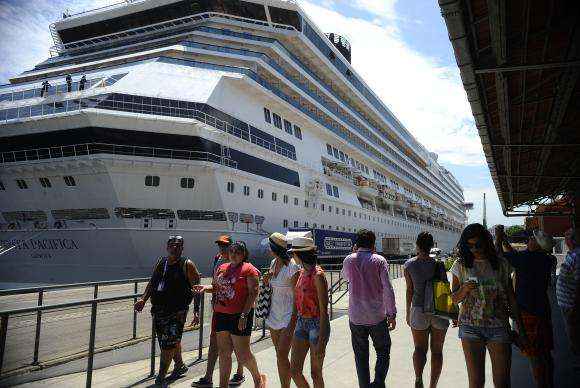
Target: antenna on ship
[{"x": 484, "y": 213}]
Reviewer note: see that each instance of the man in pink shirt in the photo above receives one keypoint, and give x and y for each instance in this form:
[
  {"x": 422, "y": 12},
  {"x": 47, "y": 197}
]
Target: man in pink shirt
[{"x": 371, "y": 309}]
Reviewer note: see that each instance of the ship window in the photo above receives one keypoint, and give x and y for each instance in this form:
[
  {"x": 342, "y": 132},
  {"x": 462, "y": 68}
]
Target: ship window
[
  {"x": 69, "y": 180},
  {"x": 288, "y": 127},
  {"x": 285, "y": 224},
  {"x": 337, "y": 210},
  {"x": 354, "y": 214},
  {"x": 156, "y": 214},
  {"x": 151, "y": 180},
  {"x": 335, "y": 191},
  {"x": 230, "y": 187},
  {"x": 187, "y": 183},
  {"x": 277, "y": 121},
  {"x": 285, "y": 16},
  {"x": 21, "y": 184},
  {"x": 305, "y": 203},
  {"x": 260, "y": 193},
  {"x": 322, "y": 206},
  {"x": 322, "y": 226},
  {"x": 349, "y": 213},
  {"x": 246, "y": 190},
  {"x": 335, "y": 153},
  {"x": 343, "y": 212},
  {"x": 285, "y": 198},
  {"x": 329, "y": 189},
  {"x": 329, "y": 149},
  {"x": 274, "y": 197},
  {"x": 306, "y": 224},
  {"x": 329, "y": 209},
  {"x": 296, "y": 224},
  {"x": 146, "y": 223},
  {"x": 295, "y": 201},
  {"x": 267, "y": 116},
  {"x": 297, "y": 132},
  {"x": 2, "y": 187},
  {"x": 45, "y": 182}
]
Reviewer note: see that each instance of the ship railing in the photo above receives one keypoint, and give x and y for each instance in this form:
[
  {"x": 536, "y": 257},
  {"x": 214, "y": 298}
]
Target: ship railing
[
  {"x": 100, "y": 102},
  {"x": 162, "y": 27},
  {"x": 115, "y": 149}
]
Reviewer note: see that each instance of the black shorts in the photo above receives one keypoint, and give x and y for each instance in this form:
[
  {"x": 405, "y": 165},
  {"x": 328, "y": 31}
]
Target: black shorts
[
  {"x": 229, "y": 323},
  {"x": 169, "y": 328}
]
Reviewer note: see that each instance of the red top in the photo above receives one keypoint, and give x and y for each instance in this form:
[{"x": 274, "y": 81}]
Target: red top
[
  {"x": 231, "y": 287},
  {"x": 305, "y": 295}
]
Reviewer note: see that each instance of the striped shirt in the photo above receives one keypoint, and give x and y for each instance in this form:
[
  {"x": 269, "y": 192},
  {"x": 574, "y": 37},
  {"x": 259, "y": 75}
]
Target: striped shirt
[{"x": 568, "y": 279}]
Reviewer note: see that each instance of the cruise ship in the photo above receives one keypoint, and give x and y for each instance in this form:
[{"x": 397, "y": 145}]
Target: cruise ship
[{"x": 199, "y": 118}]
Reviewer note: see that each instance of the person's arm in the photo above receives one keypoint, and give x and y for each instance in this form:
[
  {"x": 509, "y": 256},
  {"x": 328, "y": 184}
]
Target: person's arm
[
  {"x": 460, "y": 291},
  {"x": 388, "y": 295},
  {"x": 148, "y": 290},
  {"x": 515, "y": 312},
  {"x": 322, "y": 293},
  {"x": 408, "y": 294},
  {"x": 252, "y": 283},
  {"x": 194, "y": 278}
]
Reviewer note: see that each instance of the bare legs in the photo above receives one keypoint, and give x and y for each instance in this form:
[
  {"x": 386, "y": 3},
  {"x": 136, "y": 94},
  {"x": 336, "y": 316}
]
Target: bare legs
[
  {"x": 300, "y": 349},
  {"x": 500, "y": 355},
  {"x": 437, "y": 341},
  {"x": 212, "y": 357},
  {"x": 282, "y": 342},
  {"x": 543, "y": 369},
  {"x": 421, "y": 341},
  {"x": 241, "y": 346}
]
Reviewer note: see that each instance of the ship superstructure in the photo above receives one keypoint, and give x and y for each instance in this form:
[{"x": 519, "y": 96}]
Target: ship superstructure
[{"x": 200, "y": 118}]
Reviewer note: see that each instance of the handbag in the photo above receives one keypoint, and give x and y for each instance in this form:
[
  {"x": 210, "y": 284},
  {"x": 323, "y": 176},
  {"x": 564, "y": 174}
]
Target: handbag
[
  {"x": 438, "y": 296},
  {"x": 264, "y": 301}
]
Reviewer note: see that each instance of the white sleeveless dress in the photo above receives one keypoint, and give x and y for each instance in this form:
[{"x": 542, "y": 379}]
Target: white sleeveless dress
[{"x": 282, "y": 296}]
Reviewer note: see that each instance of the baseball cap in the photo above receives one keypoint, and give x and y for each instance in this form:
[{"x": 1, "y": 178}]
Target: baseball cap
[
  {"x": 544, "y": 240},
  {"x": 224, "y": 240}
]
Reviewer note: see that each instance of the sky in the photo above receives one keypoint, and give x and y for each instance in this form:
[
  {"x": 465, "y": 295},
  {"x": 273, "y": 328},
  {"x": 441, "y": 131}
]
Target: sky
[{"x": 400, "y": 48}]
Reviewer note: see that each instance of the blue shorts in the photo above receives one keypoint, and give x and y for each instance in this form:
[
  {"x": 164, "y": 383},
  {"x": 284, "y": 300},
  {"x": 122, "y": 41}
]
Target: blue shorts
[
  {"x": 307, "y": 329},
  {"x": 485, "y": 334}
]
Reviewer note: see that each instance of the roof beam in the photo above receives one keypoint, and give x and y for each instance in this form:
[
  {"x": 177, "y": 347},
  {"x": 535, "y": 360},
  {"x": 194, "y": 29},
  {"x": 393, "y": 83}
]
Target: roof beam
[
  {"x": 534, "y": 145},
  {"x": 528, "y": 66}
]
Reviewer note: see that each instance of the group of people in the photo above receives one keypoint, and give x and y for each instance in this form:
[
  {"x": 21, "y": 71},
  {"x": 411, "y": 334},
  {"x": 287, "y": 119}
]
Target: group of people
[{"x": 490, "y": 281}]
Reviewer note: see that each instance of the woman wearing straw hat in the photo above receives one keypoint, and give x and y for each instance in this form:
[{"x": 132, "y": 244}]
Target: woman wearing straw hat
[
  {"x": 310, "y": 313},
  {"x": 282, "y": 277}
]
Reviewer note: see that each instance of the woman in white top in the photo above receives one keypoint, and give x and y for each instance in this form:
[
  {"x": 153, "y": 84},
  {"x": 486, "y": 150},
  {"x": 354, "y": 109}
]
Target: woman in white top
[{"x": 282, "y": 277}]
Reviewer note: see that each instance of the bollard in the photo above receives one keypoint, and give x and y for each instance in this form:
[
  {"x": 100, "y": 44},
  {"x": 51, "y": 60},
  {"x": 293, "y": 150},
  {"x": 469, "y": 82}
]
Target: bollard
[
  {"x": 91, "y": 345},
  {"x": 135, "y": 314},
  {"x": 3, "y": 330},
  {"x": 38, "y": 325},
  {"x": 152, "y": 369},
  {"x": 201, "y": 320}
]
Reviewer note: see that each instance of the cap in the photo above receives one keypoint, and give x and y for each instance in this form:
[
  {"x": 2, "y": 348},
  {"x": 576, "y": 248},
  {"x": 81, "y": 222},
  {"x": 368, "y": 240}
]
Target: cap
[
  {"x": 278, "y": 239},
  {"x": 175, "y": 239},
  {"x": 302, "y": 244},
  {"x": 544, "y": 240},
  {"x": 224, "y": 240}
]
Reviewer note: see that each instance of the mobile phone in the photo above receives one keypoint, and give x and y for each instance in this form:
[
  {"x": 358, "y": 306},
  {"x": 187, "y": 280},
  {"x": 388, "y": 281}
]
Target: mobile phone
[{"x": 472, "y": 279}]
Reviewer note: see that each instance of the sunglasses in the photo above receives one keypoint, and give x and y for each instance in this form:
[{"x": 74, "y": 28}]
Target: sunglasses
[
  {"x": 474, "y": 246},
  {"x": 175, "y": 240}
]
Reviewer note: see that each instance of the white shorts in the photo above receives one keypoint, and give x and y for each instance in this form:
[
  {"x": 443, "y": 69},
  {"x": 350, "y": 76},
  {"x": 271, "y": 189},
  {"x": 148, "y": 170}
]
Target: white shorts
[{"x": 421, "y": 321}]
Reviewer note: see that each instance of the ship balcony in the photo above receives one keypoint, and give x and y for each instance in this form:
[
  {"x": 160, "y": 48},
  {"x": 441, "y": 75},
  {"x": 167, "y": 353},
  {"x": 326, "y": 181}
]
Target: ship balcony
[{"x": 366, "y": 187}]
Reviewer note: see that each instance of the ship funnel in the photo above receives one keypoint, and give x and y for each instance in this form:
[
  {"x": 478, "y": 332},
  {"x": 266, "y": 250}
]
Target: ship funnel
[{"x": 341, "y": 43}]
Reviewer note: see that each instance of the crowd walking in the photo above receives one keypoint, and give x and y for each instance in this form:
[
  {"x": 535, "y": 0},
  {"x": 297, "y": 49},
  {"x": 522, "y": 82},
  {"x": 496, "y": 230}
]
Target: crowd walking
[{"x": 491, "y": 282}]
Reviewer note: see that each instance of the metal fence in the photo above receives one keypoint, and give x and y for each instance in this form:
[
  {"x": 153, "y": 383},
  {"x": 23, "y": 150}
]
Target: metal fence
[{"x": 38, "y": 309}]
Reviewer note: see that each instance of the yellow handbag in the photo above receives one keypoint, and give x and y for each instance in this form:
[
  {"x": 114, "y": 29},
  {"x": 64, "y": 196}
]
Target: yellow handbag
[{"x": 443, "y": 306}]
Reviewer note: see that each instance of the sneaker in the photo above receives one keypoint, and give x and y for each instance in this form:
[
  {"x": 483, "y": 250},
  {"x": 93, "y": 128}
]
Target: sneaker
[
  {"x": 160, "y": 382},
  {"x": 202, "y": 383},
  {"x": 237, "y": 380},
  {"x": 179, "y": 371}
]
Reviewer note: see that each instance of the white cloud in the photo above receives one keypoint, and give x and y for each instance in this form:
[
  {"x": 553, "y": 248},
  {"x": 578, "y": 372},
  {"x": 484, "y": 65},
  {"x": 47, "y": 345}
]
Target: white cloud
[
  {"x": 427, "y": 97},
  {"x": 382, "y": 8}
]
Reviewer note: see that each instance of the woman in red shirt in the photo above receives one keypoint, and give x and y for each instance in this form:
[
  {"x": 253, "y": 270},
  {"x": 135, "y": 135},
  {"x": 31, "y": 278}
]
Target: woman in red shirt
[
  {"x": 310, "y": 314},
  {"x": 235, "y": 287}
]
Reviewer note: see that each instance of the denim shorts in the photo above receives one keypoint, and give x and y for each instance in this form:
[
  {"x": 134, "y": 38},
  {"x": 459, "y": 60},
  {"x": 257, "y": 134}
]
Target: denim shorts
[
  {"x": 307, "y": 329},
  {"x": 485, "y": 334}
]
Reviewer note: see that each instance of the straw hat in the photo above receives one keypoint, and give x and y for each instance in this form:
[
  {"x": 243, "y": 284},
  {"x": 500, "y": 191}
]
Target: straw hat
[
  {"x": 278, "y": 239},
  {"x": 302, "y": 244}
]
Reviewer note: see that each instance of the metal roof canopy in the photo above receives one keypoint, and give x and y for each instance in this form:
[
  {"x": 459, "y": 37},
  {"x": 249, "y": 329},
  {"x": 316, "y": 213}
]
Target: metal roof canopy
[{"x": 520, "y": 64}]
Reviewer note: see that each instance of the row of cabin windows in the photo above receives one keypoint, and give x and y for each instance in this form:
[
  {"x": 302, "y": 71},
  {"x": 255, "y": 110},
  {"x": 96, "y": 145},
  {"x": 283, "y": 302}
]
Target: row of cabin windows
[
  {"x": 44, "y": 182},
  {"x": 342, "y": 156},
  {"x": 332, "y": 190},
  {"x": 296, "y": 224},
  {"x": 274, "y": 118},
  {"x": 231, "y": 188}
]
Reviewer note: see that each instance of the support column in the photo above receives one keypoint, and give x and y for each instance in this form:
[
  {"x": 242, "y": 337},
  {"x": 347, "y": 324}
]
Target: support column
[{"x": 576, "y": 209}]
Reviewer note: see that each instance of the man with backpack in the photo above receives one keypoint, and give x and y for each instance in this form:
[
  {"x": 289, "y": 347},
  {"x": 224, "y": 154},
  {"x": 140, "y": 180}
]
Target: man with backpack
[{"x": 170, "y": 290}]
